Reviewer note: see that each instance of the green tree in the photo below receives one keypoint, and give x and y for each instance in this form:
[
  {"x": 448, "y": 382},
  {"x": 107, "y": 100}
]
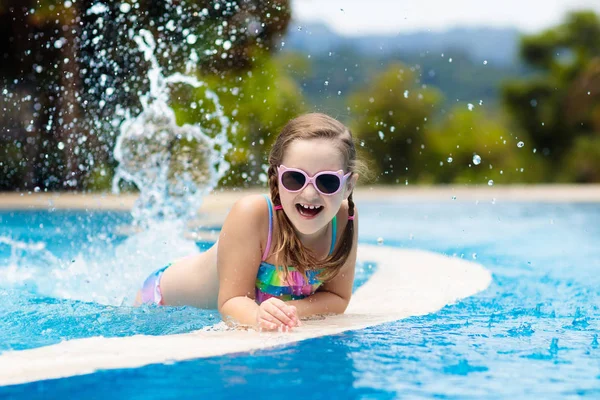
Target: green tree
[
  {"x": 560, "y": 106},
  {"x": 390, "y": 117},
  {"x": 74, "y": 66},
  {"x": 476, "y": 148}
]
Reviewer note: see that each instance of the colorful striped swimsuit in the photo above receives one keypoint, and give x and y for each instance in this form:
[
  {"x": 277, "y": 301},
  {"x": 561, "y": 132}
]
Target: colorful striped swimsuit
[{"x": 271, "y": 280}]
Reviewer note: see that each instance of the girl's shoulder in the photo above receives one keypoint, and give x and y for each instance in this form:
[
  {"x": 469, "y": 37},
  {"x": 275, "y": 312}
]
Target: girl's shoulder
[
  {"x": 252, "y": 208},
  {"x": 249, "y": 218}
]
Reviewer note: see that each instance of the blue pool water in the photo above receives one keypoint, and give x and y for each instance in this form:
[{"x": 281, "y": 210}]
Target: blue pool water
[{"x": 532, "y": 334}]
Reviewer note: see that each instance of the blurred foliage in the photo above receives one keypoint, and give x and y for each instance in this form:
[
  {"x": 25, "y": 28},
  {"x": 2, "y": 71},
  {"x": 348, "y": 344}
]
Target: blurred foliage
[
  {"x": 389, "y": 120},
  {"x": 560, "y": 109},
  {"x": 328, "y": 79},
  {"x": 452, "y": 145},
  {"x": 76, "y": 63},
  {"x": 67, "y": 73},
  {"x": 548, "y": 130}
]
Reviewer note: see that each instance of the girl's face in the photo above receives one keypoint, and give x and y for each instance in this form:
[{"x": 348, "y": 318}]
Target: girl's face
[{"x": 313, "y": 156}]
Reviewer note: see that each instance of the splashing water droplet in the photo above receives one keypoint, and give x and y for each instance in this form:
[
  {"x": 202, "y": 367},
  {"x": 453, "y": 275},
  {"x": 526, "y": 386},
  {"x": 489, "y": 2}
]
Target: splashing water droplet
[
  {"x": 406, "y": 92},
  {"x": 191, "y": 39},
  {"x": 450, "y": 159},
  {"x": 470, "y": 106},
  {"x": 380, "y": 241},
  {"x": 476, "y": 159},
  {"x": 520, "y": 144},
  {"x": 490, "y": 183},
  {"x": 381, "y": 135}
]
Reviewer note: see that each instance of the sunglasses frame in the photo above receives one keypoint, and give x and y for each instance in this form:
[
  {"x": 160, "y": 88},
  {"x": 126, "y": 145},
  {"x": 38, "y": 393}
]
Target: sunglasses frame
[{"x": 312, "y": 179}]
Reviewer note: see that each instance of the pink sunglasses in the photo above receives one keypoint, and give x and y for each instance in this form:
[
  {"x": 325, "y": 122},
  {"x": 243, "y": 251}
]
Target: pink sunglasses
[{"x": 327, "y": 183}]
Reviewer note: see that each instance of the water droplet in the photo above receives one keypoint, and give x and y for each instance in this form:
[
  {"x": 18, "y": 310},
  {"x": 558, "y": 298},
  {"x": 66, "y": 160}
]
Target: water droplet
[
  {"x": 490, "y": 183},
  {"x": 450, "y": 60},
  {"x": 484, "y": 62},
  {"x": 449, "y": 159},
  {"x": 476, "y": 159},
  {"x": 474, "y": 255},
  {"x": 470, "y": 106},
  {"x": 380, "y": 241},
  {"x": 520, "y": 144},
  {"x": 381, "y": 135},
  {"x": 326, "y": 83},
  {"x": 125, "y": 7},
  {"x": 406, "y": 94},
  {"x": 453, "y": 197},
  {"x": 61, "y": 145}
]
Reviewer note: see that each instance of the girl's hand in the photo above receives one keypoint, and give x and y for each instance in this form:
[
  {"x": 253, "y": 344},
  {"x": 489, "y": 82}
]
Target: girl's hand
[{"x": 273, "y": 314}]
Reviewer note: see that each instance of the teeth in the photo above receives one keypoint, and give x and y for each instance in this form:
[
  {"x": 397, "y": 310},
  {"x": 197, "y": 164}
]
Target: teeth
[{"x": 309, "y": 207}]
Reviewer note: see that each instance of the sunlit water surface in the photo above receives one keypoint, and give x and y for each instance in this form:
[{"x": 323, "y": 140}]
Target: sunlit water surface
[{"x": 532, "y": 334}]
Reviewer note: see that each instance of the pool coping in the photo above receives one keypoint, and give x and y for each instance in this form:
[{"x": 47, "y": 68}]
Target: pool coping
[{"x": 222, "y": 199}]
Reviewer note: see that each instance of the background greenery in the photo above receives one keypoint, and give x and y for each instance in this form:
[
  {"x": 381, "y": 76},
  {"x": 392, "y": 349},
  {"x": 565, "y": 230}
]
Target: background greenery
[{"x": 424, "y": 108}]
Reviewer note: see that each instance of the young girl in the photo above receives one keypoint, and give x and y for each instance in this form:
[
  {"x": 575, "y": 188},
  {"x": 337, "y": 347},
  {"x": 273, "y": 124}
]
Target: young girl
[{"x": 282, "y": 257}]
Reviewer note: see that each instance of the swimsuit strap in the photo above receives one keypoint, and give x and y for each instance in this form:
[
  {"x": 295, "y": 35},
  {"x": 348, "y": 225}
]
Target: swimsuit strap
[
  {"x": 333, "y": 233},
  {"x": 268, "y": 246}
]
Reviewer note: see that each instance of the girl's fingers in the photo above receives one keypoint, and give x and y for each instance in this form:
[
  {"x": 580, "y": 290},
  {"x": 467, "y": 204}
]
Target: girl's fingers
[
  {"x": 265, "y": 324},
  {"x": 269, "y": 318},
  {"x": 280, "y": 315},
  {"x": 289, "y": 311},
  {"x": 294, "y": 315}
]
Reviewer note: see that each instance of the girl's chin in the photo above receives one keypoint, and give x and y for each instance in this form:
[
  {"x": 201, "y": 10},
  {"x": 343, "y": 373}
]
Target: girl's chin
[{"x": 308, "y": 226}]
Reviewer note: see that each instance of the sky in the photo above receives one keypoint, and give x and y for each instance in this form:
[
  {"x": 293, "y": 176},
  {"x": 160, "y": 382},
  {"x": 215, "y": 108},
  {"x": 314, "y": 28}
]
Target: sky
[{"x": 362, "y": 17}]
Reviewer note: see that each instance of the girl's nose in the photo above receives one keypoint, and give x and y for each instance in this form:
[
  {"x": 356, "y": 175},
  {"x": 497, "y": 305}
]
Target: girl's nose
[{"x": 310, "y": 192}]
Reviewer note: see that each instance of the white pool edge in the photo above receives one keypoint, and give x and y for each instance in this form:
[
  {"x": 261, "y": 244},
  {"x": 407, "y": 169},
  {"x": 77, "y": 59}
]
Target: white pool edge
[{"x": 406, "y": 283}]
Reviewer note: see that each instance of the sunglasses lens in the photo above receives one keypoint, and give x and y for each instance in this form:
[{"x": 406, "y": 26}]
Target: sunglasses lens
[
  {"x": 328, "y": 183},
  {"x": 292, "y": 180}
]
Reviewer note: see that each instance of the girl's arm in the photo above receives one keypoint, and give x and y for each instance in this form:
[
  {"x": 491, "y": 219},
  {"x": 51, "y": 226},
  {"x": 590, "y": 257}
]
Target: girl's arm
[
  {"x": 238, "y": 258},
  {"x": 333, "y": 296}
]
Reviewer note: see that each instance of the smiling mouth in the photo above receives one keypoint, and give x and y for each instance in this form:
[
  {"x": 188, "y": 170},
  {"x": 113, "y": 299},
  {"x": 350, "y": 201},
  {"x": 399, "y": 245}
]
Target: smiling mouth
[{"x": 309, "y": 212}]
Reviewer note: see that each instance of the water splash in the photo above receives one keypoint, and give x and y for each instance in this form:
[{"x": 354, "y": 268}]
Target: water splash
[
  {"x": 98, "y": 273},
  {"x": 172, "y": 166}
]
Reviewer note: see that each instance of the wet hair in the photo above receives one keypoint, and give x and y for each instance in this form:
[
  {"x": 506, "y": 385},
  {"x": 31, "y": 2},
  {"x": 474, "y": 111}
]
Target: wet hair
[{"x": 289, "y": 249}]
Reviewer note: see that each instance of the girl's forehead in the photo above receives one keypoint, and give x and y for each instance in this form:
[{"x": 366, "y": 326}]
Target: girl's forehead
[{"x": 313, "y": 155}]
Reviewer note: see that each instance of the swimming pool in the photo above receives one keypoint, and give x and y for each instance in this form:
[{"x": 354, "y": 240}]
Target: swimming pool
[{"x": 532, "y": 333}]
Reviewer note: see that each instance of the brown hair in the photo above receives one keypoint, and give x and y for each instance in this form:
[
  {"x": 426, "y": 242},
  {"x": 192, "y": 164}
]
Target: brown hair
[{"x": 290, "y": 250}]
